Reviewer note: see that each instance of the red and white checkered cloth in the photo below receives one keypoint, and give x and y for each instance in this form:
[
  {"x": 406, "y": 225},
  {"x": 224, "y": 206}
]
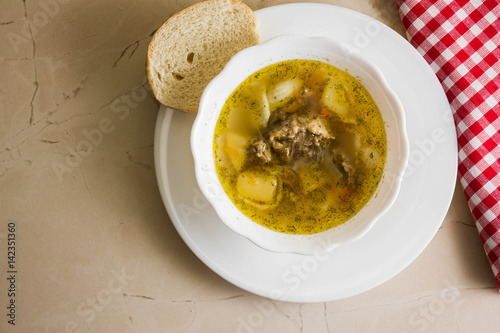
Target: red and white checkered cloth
[{"x": 461, "y": 42}]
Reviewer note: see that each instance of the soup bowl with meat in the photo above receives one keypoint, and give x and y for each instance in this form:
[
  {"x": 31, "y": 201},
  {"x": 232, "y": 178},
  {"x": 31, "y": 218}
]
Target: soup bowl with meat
[{"x": 298, "y": 145}]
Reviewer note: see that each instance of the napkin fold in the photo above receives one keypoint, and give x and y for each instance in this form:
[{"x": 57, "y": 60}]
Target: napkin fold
[{"x": 461, "y": 42}]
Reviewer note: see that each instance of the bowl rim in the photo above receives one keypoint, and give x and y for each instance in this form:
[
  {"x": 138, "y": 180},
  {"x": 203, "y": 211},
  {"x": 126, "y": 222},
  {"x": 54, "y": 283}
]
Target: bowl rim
[{"x": 397, "y": 175}]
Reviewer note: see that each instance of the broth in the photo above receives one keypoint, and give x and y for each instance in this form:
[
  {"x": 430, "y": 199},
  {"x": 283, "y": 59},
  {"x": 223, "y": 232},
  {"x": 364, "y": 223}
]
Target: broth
[{"x": 300, "y": 146}]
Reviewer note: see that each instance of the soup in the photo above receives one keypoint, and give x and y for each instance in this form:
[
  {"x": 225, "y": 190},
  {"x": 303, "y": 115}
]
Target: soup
[{"x": 300, "y": 146}]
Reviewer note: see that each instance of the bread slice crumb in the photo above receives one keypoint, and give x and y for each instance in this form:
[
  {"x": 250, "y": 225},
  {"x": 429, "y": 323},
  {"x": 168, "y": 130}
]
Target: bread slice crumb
[{"x": 193, "y": 46}]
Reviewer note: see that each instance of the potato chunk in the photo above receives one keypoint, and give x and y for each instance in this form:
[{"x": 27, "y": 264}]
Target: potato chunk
[
  {"x": 258, "y": 188},
  {"x": 253, "y": 112},
  {"x": 335, "y": 98},
  {"x": 235, "y": 147},
  {"x": 283, "y": 92},
  {"x": 260, "y": 111},
  {"x": 371, "y": 157}
]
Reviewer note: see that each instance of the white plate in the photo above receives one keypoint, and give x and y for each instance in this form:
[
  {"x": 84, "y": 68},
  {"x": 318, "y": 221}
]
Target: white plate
[{"x": 399, "y": 236}]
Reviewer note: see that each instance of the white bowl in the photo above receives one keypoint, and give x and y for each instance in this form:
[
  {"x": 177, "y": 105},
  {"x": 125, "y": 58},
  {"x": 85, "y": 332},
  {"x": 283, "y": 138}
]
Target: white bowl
[{"x": 276, "y": 50}]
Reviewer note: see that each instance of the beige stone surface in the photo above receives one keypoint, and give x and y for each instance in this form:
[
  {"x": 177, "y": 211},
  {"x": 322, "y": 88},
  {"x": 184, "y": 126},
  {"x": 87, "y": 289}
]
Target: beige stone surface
[{"x": 95, "y": 248}]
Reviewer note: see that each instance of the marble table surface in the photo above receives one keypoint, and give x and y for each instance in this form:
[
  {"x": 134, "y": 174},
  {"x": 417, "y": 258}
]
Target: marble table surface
[{"x": 95, "y": 250}]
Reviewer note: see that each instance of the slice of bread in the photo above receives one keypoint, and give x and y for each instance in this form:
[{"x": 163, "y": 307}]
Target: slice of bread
[{"x": 193, "y": 46}]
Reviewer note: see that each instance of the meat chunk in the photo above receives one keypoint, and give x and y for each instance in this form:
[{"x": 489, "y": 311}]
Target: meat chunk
[
  {"x": 261, "y": 150},
  {"x": 318, "y": 128},
  {"x": 300, "y": 136},
  {"x": 343, "y": 163}
]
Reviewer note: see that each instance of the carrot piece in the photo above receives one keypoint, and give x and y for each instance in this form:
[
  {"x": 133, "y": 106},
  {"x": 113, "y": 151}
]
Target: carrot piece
[
  {"x": 252, "y": 179},
  {"x": 325, "y": 112},
  {"x": 296, "y": 94},
  {"x": 231, "y": 151}
]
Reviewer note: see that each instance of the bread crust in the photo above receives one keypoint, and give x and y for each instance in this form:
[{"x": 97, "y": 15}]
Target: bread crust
[{"x": 193, "y": 46}]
